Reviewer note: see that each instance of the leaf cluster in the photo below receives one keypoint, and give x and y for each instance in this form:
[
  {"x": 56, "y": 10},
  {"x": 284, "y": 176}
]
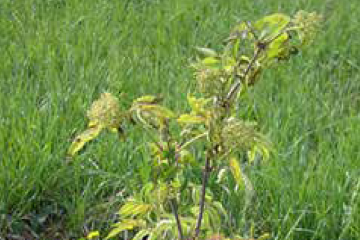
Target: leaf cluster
[{"x": 222, "y": 79}]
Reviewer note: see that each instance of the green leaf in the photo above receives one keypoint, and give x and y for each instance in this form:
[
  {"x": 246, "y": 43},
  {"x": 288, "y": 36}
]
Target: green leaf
[
  {"x": 127, "y": 224},
  {"x": 261, "y": 149},
  {"x": 186, "y": 158},
  {"x": 141, "y": 234},
  {"x": 160, "y": 229},
  {"x": 132, "y": 208},
  {"x": 220, "y": 208},
  {"x": 190, "y": 119},
  {"x": 208, "y": 52},
  {"x": 272, "y": 25},
  {"x": 198, "y": 105},
  {"x": 85, "y": 137},
  {"x": 210, "y": 61},
  {"x": 277, "y": 48},
  {"x": 93, "y": 234},
  {"x": 147, "y": 99},
  {"x": 158, "y": 111}
]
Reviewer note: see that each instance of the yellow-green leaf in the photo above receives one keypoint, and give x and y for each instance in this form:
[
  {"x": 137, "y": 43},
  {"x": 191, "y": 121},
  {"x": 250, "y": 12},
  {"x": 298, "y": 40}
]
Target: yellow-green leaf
[
  {"x": 277, "y": 47},
  {"x": 157, "y": 110},
  {"x": 93, "y": 234},
  {"x": 236, "y": 170},
  {"x": 210, "y": 61},
  {"x": 264, "y": 236},
  {"x": 198, "y": 104},
  {"x": 208, "y": 52},
  {"x": 133, "y": 208},
  {"x": 85, "y": 137},
  {"x": 141, "y": 234},
  {"x": 190, "y": 119},
  {"x": 261, "y": 149},
  {"x": 270, "y": 26},
  {"x": 186, "y": 157},
  {"x": 147, "y": 99},
  {"x": 161, "y": 227},
  {"x": 127, "y": 224}
]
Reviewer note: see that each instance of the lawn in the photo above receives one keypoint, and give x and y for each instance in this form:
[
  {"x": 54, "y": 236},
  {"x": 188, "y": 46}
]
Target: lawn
[{"x": 58, "y": 56}]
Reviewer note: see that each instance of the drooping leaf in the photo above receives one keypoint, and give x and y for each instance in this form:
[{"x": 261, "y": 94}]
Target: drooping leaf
[
  {"x": 186, "y": 157},
  {"x": 261, "y": 149},
  {"x": 198, "y": 105},
  {"x": 133, "y": 208},
  {"x": 104, "y": 113},
  {"x": 161, "y": 228},
  {"x": 83, "y": 138},
  {"x": 158, "y": 111},
  {"x": 221, "y": 175},
  {"x": 149, "y": 113},
  {"x": 220, "y": 208},
  {"x": 142, "y": 234},
  {"x": 190, "y": 119},
  {"x": 126, "y": 224},
  {"x": 236, "y": 170},
  {"x": 264, "y": 236},
  {"x": 148, "y": 99}
]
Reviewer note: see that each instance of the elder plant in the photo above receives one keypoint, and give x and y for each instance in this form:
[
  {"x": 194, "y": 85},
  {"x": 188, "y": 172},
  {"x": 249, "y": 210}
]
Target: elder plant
[{"x": 170, "y": 206}]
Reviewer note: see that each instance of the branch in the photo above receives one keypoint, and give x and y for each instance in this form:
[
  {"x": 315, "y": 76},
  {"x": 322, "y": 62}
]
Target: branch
[
  {"x": 173, "y": 204},
  {"x": 235, "y": 87},
  {"x": 202, "y": 197},
  {"x": 261, "y": 46}
]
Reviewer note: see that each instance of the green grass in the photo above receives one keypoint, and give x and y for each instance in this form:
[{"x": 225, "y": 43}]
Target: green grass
[{"x": 57, "y": 56}]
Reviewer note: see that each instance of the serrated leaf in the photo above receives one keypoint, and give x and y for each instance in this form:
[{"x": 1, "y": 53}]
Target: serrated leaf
[{"x": 83, "y": 138}]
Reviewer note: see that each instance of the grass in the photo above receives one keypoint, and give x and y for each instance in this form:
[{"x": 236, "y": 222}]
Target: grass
[{"x": 57, "y": 56}]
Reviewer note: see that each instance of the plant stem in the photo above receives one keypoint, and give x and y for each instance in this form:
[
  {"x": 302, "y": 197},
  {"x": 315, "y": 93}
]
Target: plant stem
[
  {"x": 234, "y": 88},
  {"x": 206, "y": 173},
  {"x": 174, "y": 208}
]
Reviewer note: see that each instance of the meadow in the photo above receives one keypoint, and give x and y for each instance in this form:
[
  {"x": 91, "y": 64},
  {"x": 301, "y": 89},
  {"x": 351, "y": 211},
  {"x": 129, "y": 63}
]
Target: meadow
[{"x": 58, "y": 56}]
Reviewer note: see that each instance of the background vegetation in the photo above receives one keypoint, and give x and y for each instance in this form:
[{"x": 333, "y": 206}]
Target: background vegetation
[{"x": 57, "y": 56}]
